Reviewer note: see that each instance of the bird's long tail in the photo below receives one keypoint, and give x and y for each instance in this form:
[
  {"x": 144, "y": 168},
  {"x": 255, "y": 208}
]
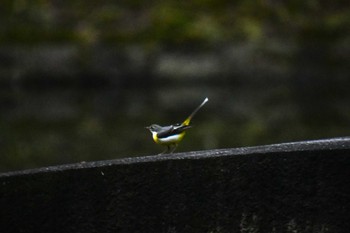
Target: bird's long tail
[{"x": 188, "y": 119}]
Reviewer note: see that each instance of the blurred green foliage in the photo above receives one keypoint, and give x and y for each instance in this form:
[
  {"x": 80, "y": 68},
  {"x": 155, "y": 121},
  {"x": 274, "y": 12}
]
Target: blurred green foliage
[
  {"x": 168, "y": 22},
  {"x": 288, "y": 80}
]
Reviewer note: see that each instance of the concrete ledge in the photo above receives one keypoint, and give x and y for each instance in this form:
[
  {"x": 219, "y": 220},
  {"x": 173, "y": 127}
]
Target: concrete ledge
[{"x": 291, "y": 187}]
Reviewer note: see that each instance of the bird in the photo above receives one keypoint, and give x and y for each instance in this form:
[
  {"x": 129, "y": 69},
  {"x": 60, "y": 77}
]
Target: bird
[{"x": 172, "y": 135}]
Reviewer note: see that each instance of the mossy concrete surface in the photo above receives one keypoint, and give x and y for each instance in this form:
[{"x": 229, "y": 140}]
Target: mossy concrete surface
[{"x": 290, "y": 187}]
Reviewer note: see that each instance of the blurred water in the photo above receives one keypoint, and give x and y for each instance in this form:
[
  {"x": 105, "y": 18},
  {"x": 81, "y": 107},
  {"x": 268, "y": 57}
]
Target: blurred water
[{"x": 56, "y": 125}]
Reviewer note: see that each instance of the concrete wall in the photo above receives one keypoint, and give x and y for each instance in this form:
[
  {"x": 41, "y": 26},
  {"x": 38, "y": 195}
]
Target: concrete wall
[{"x": 294, "y": 187}]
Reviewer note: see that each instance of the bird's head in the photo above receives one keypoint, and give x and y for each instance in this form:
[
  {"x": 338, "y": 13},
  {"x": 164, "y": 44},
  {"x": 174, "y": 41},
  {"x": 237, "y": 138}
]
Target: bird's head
[{"x": 154, "y": 128}]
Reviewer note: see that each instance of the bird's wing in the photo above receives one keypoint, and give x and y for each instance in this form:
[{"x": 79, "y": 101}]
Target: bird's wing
[{"x": 172, "y": 130}]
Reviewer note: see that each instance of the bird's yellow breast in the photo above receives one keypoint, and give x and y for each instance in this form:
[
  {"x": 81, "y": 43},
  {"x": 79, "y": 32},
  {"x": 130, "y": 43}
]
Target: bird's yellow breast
[{"x": 173, "y": 139}]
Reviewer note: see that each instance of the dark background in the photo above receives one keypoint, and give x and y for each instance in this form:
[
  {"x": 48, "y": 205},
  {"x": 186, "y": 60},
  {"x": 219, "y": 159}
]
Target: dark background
[{"x": 80, "y": 80}]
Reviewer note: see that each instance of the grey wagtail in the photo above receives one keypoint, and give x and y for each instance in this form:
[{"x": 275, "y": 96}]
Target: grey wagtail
[{"x": 172, "y": 135}]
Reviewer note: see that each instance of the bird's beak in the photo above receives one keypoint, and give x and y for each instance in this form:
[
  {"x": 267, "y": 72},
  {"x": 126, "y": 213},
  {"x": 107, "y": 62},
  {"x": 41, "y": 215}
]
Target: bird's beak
[{"x": 147, "y": 127}]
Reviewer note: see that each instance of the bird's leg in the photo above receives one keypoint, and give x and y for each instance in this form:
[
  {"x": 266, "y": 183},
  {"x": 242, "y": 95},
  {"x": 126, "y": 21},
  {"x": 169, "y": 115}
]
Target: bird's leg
[
  {"x": 174, "y": 148},
  {"x": 167, "y": 149}
]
